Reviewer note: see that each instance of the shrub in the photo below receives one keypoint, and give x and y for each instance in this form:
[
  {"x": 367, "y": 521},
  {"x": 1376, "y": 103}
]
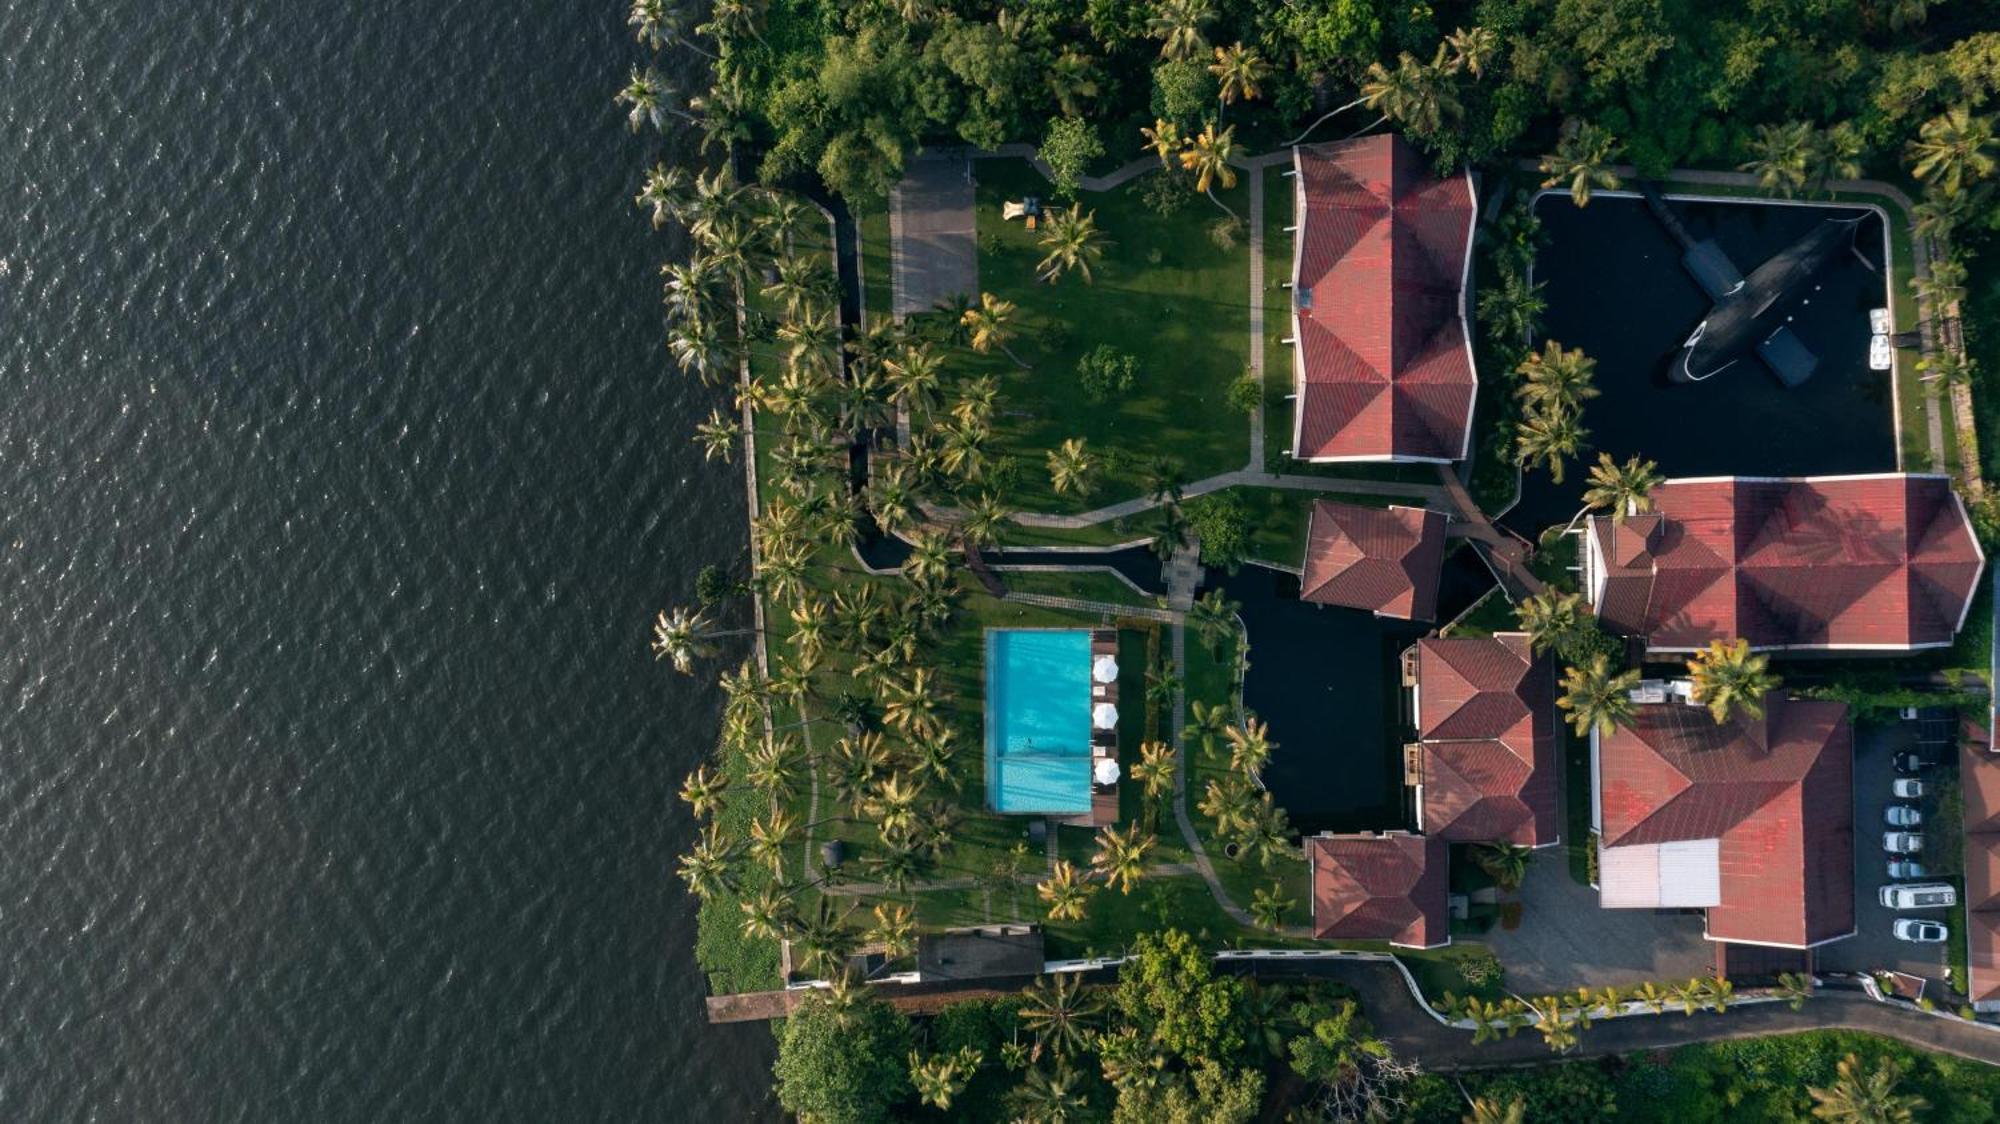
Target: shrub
[
  {"x": 1057, "y": 336},
  {"x": 712, "y": 585},
  {"x": 1164, "y": 193},
  {"x": 1245, "y": 393},
  {"x": 853, "y": 1070},
  {"x": 1224, "y": 231},
  {"x": 1183, "y": 90},
  {"x": 1106, "y": 371},
  {"x": 1068, "y": 148},
  {"x": 1223, "y": 525}
]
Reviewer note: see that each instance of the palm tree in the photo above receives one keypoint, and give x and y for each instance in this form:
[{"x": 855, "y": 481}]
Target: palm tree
[
  {"x": 707, "y": 868},
  {"x": 1047, "y": 1098},
  {"x": 1596, "y": 698},
  {"x": 1947, "y": 368},
  {"x": 703, "y": 790},
  {"x": 1267, "y": 834},
  {"x": 803, "y": 279},
  {"x": 1071, "y": 467},
  {"x": 1653, "y": 996},
  {"x": 1866, "y": 1097},
  {"x": 1551, "y": 1018},
  {"x": 1214, "y": 618},
  {"x": 811, "y": 339},
  {"x": 1552, "y": 620},
  {"x": 1207, "y": 722},
  {"x": 1691, "y": 995},
  {"x": 914, "y": 705},
  {"x": 1239, "y": 73},
  {"x": 943, "y": 1077},
  {"x": 1557, "y": 380},
  {"x": 645, "y": 98},
  {"x": 1207, "y": 155},
  {"x": 1582, "y": 160},
  {"x": 1072, "y": 242},
  {"x": 1942, "y": 285},
  {"x": 1512, "y": 310},
  {"x": 1060, "y": 1013},
  {"x": 1835, "y": 154},
  {"x": 1066, "y": 892},
  {"x": 1507, "y": 863},
  {"x": 1953, "y": 148},
  {"x": 1719, "y": 990},
  {"x": 769, "y": 836},
  {"x": 1780, "y": 155},
  {"x": 1472, "y": 50},
  {"x": 1938, "y": 215},
  {"x": 914, "y": 377},
  {"x": 665, "y": 193},
  {"x": 1622, "y": 489},
  {"x": 685, "y": 637},
  {"x": 768, "y": 912},
  {"x": 823, "y": 939},
  {"x": 1269, "y": 905},
  {"x": 984, "y": 517},
  {"x": 1250, "y": 747},
  {"x": 1730, "y": 677},
  {"x": 725, "y": 113},
  {"x": 1177, "y": 23},
  {"x": 895, "y": 929},
  {"x": 1417, "y": 96},
  {"x": 1486, "y": 1110},
  {"x": 1155, "y": 773},
  {"x": 1121, "y": 858},
  {"x": 718, "y": 436},
  {"x": 990, "y": 326},
  {"x": 1074, "y": 80},
  {"x": 1165, "y": 139},
  {"x": 732, "y": 17},
  {"x": 1550, "y": 438}
]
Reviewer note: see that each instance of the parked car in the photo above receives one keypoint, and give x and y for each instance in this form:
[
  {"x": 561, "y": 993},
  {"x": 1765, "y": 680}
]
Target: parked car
[
  {"x": 1907, "y": 788},
  {"x": 1902, "y": 815},
  {"x": 1922, "y": 932},
  {"x": 1908, "y": 763},
  {"x": 1906, "y": 868},
  {"x": 1902, "y": 842},
  {"x": 1919, "y": 895}
]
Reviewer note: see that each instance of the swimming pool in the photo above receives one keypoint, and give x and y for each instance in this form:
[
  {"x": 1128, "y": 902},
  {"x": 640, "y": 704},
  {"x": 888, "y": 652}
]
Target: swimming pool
[{"x": 1038, "y": 720}]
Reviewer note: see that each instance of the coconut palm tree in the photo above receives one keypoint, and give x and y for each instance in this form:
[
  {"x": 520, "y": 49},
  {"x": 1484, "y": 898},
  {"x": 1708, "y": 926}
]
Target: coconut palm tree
[
  {"x": 991, "y": 325},
  {"x": 1250, "y": 747},
  {"x": 822, "y": 940},
  {"x": 665, "y": 193},
  {"x": 703, "y": 790},
  {"x": 768, "y": 912},
  {"x": 769, "y": 836},
  {"x": 1942, "y": 286},
  {"x": 1938, "y": 214},
  {"x": 963, "y": 454},
  {"x": 645, "y": 96},
  {"x": 1207, "y": 155},
  {"x": 975, "y": 401},
  {"x": 1557, "y": 379},
  {"x": 700, "y": 348},
  {"x": 1551, "y": 1019},
  {"x": 718, "y": 436},
  {"x": 1948, "y": 368},
  {"x": 1952, "y": 149},
  {"x": 1419, "y": 97},
  {"x": 930, "y": 556},
  {"x": 1177, "y": 24},
  {"x": 1267, "y": 834},
  {"x": 1729, "y": 677},
  {"x": 1691, "y": 995},
  {"x": 1622, "y": 489},
  {"x": 914, "y": 377},
  {"x": 1861, "y": 1095},
  {"x": 1071, "y": 468},
  {"x": 895, "y": 929},
  {"x": 1155, "y": 772},
  {"x": 939, "y": 1079},
  {"x": 725, "y": 113},
  {"x": 1066, "y": 891},
  {"x": 1061, "y": 1013},
  {"x": 1213, "y": 617},
  {"x": 1239, "y": 73},
  {"x": 1781, "y": 157},
  {"x": 1719, "y": 990},
  {"x": 1165, "y": 139},
  {"x": 1268, "y": 905},
  {"x": 1070, "y": 241},
  {"x": 729, "y": 18},
  {"x": 1050, "y": 1098},
  {"x": 984, "y": 518},
  {"x": 803, "y": 280},
  {"x": 1074, "y": 80},
  {"x": 1507, "y": 863},
  {"x": 1551, "y": 439},
  {"x": 1472, "y": 50},
  {"x": 1208, "y": 723},
  {"x": 1582, "y": 161},
  {"x": 914, "y": 706},
  {"x": 1121, "y": 857},
  {"x": 708, "y": 867},
  {"x": 1512, "y": 310},
  {"x": 811, "y": 339},
  {"x": 1653, "y": 996},
  {"x": 1835, "y": 154},
  {"x": 773, "y": 768},
  {"x": 1486, "y": 1110},
  {"x": 1596, "y": 698},
  {"x": 686, "y": 636}
]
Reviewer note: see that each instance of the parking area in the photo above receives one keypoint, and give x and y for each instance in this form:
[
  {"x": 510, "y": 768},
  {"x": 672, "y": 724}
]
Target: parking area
[
  {"x": 1873, "y": 947},
  {"x": 931, "y": 233},
  {"x": 1566, "y": 941}
]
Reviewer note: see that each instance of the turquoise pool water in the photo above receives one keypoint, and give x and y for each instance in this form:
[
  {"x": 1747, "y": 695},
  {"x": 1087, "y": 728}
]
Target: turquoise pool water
[{"x": 1038, "y": 720}]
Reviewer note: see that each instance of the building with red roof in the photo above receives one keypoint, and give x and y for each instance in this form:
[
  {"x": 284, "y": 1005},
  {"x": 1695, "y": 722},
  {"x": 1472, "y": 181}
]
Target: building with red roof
[
  {"x": 1384, "y": 560},
  {"x": 1752, "y": 820},
  {"x": 1486, "y": 727},
  {"x": 1979, "y": 788},
  {"x": 1884, "y": 563},
  {"x": 1387, "y": 887},
  {"x": 1382, "y": 358}
]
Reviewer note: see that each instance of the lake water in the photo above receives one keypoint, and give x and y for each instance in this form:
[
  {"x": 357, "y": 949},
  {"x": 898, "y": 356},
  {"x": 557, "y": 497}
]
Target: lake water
[{"x": 342, "y": 472}]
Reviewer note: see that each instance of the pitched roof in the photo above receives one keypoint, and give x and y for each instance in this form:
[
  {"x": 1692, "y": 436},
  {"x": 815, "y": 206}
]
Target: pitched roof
[
  {"x": 1381, "y": 362},
  {"x": 1486, "y": 721},
  {"x": 1885, "y": 561},
  {"x": 1979, "y": 784},
  {"x": 1387, "y": 561},
  {"x": 1388, "y": 887},
  {"x": 1776, "y": 793}
]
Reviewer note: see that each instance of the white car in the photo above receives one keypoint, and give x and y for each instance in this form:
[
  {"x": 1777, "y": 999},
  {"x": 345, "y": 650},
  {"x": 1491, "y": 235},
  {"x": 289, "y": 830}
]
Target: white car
[
  {"x": 1907, "y": 788},
  {"x": 1902, "y": 842},
  {"x": 1906, "y": 868},
  {"x": 1921, "y": 932},
  {"x": 1902, "y": 815},
  {"x": 1919, "y": 895}
]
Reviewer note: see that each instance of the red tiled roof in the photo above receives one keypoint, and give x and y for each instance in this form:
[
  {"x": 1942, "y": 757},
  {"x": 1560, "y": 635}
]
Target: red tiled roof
[
  {"x": 1884, "y": 561},
  {"x": 1381, "y": 360},
  {"x": 1386, "y": 561},
  {"x": 1777, "y": 793},
  {"x": 1388, "y": 887},
  {"x": 1486, "y": 721},
  {"x": 1979, "y": 785}
]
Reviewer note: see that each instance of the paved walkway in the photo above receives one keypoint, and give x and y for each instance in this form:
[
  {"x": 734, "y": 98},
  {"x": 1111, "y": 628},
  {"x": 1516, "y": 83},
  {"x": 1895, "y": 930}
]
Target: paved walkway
[
  {"x": 1430, "y": 495},
  {"x": 1080, "y": 605},
  {"x": 1507, "y": 553},
  {"x": 1566, "y": 941},
  {"x": 932, "y": 233},
  {"x": 1257, "y": 312},
  {"x": 1201, "y": 861}
]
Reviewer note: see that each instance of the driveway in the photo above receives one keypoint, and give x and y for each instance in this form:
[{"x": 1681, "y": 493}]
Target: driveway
[
  {"x": 1872, "y": 948},
  {"x": 932, "y": 235},
  {"x": 1566, "y": 940}
]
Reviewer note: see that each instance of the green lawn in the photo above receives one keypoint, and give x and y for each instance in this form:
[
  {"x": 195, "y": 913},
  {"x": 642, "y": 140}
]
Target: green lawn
[
  {"x": 1114, "y": 532},
  {"x": 877, "y": 286},
  {"x": 1163, "y": 293},
  {"x": 1981, "y": 308},
  {"x": 1090, "y": 586}
]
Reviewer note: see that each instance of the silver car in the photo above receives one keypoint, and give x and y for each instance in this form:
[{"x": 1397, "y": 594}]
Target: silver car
[
  {"x": 1902, "y": 815},
  {"x": 1902, "y": 842},
  {"x": 1906, "y": 868},
  {"x": 1918, "y": 931}
]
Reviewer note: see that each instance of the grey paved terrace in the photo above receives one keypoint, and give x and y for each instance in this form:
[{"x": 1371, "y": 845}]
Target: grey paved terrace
[
  {"x": 1567, "y": 941},
  {"x": 932, "y": 237}
]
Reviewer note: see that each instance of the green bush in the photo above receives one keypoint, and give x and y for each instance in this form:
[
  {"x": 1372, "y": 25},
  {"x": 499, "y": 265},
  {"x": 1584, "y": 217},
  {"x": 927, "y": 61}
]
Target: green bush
[
  {"x": 843, "y": 1066},
  {"x": 1106, "y": 372},
  {"x": 1223, "y": 525}
]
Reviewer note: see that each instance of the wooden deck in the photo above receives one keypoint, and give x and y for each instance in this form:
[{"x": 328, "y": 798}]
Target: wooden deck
[{"x": 911, "y": 999}]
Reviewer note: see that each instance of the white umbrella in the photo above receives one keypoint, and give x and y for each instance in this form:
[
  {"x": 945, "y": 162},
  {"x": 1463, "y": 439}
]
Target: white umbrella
[
  {"x": 1105, "y": 669},
  {"x": 1104, "y": 716},
  {"x": 1107, "y": 772}
]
